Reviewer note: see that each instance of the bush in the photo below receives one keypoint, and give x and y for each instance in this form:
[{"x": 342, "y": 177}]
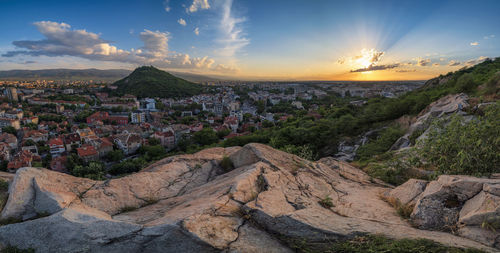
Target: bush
[
  {"x": 128, "y": 166},
  {"x": 10, "y": 130},
  {"x": 460, "y": 147},
  {"x": 326, "y": 202},
  {"x": 384, "y": 141},
  {"x": 226, "y": 164},
  {"x": 115, "y": 155},
  {"x": 206, "y": 136},
  {"x": 94, "y": 170}
]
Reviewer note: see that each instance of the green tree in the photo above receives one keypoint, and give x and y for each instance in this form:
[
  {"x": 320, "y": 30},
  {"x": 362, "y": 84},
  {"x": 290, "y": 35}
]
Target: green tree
[
  {"x": 94, "y": 170},
  {"x": 115, "y": 155},
  {"x": 10, "y": 130},
  {"x": 206, "y": 136}
]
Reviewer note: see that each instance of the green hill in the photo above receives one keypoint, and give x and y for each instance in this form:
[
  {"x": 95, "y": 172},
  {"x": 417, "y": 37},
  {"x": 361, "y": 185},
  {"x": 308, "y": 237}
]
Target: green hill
[{"x": 148, "y": 81}]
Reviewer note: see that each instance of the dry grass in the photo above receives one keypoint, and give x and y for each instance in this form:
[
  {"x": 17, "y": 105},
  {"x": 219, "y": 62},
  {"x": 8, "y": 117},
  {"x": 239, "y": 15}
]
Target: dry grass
[{"x": 403, "y": 210}]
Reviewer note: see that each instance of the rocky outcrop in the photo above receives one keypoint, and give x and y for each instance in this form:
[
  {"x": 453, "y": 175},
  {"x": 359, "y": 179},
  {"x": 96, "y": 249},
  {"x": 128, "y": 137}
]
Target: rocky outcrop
[
  {"x": 438, "y": 109},
  {"x": 466, "y": 205},
  {"x": 187, "y": 203}
]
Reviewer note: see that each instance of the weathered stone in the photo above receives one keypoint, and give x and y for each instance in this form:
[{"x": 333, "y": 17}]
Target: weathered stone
[
  {"x": 438, "y": 207},
  {"x": 481, "y": 208},
  {"x": 409, "y": 191},
  {"x": 486, "y": 236},
  {"x": 187, "y": 204}
]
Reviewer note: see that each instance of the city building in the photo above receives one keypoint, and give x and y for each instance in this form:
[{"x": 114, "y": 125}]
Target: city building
[{"x": 138, "y": 117}]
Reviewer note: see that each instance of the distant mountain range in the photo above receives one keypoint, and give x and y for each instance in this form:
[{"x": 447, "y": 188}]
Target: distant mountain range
[
  {"x": 108, "y": 75},
  {"x": 148, "y": 81}
]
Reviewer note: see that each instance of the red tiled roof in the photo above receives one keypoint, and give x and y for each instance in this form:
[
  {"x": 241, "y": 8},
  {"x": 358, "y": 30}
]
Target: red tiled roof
[
  {"x": 55, "y": 142},
  {"x": 86, "y": 150}
]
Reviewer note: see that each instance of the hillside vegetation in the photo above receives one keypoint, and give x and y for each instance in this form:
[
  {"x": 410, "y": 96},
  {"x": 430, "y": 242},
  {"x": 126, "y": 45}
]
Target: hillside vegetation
[
  {"x": 318, "y": 138},
  {"x": 148, "y": 81}
]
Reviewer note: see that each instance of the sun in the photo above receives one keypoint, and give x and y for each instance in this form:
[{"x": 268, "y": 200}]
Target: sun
[{"x": 367, "y": 58}]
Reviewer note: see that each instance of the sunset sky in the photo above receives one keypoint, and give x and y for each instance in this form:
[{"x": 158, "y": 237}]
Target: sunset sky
[{"x": 253, "y": 39}]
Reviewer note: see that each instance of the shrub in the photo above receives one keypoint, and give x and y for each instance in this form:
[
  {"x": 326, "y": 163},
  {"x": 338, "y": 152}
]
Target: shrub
[
  {"x": 226, "y": 164},
  {"x": 326, "y": 202},
  {"x": 460, "y": 147},
  {"x": 12, "y": 249},
  {"x": 384, "y": 141}
]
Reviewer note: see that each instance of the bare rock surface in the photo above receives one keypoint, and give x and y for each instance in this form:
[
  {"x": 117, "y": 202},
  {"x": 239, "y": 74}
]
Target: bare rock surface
[
  {"x": 187, "y": 203},
  {"x": 467, "y": 205}
]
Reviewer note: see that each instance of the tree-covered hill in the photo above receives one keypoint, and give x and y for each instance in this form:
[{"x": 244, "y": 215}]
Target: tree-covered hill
[{"x": 148, "y": 81}]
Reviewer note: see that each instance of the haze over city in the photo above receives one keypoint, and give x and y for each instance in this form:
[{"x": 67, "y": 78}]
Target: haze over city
[{"x": 304, "y": 40}]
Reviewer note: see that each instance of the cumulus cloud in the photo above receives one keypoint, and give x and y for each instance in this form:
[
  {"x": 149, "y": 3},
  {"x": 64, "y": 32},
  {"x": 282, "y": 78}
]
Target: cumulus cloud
[
  {"x": 233, "y": 38},
  {"x": 423, "y": 62},
  {"x": 61, "y": 40},
  {"x": 197, "y": 5},
  {"x": 197, "y": 31},
  {"x": 182, "y": 22},
  {"x": 475, "y": 43},
  {"x": 435, "y": 64},
  {"x": 376, "y": 67},
  {"x": 453, "y": 63}
]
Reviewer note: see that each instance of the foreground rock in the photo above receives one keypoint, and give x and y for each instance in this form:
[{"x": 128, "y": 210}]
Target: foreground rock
[
  {"x": 188, "y": 203},
  {"x": 466, "y": 205}
]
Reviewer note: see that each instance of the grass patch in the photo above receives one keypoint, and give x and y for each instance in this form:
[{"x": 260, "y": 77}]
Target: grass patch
[
  {"x": 491, "y": 223},
  {"x": 403, "y": 210},
  {"x": 261, "y": 183},
  {"x": 375, "y": 244},
  {"x": 226, "y": 164},
  {"x": 13, "y": 249},
  {"x": 4, "y": 195},
  {"x": 326, "y": 202}
]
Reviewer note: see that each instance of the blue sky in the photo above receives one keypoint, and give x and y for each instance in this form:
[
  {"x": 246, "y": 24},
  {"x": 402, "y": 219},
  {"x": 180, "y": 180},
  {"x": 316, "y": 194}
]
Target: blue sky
[{"x": 292, "y": 39}]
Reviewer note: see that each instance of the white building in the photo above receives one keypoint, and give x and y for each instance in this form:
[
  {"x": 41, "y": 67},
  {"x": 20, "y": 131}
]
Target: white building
[{"x": 138, "y": 117}]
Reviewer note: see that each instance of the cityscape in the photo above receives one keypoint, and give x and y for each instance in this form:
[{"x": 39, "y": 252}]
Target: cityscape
[{"x": 249, "y": 126}]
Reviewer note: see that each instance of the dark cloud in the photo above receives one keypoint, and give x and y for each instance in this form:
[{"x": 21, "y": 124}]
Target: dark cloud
[
  {"x": 376, "y": 67},
  {"x": 423, "y": 62}
]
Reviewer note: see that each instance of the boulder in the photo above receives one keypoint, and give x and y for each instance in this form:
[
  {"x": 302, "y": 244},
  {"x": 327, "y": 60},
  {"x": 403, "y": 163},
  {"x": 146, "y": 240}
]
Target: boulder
[
  {"x": 408, "y": 192},
  {"x": 467, "y": 205},
  {"x": 187, "y": 203}
]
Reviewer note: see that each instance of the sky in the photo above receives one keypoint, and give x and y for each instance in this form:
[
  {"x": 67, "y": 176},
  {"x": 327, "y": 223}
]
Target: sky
[{"x": 253, "y": 39}]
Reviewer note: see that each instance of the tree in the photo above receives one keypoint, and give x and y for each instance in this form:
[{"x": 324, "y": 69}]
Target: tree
[
  {"x": 94, "y": 170},
  {"x": 466, "y": 83},
  {"x": 223, "y": 133},
  {"x": 261, "y": 106},
  {"x": 206, "y": 136},
  {"x": 10, "y": 130},
  {"x": 115, "y": 155},
  {"x": 153, "y": 141}
]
